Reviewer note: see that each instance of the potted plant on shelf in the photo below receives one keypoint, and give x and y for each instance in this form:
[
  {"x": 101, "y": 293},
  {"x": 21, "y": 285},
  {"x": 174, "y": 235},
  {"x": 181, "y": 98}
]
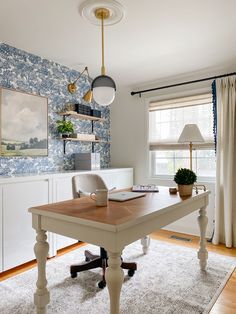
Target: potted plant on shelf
[
  {"x": 185, "y": 178},
  {"x": 65, "y": 128}
]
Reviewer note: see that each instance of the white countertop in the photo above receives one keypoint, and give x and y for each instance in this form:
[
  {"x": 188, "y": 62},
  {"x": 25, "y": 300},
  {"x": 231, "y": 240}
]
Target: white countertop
[{"x": 47, "y": 174}]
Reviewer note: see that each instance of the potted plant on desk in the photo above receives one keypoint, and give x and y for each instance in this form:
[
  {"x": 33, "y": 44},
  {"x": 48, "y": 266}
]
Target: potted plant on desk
[
  {"x": 185, "y": 178},
  {"x": 65, "y": 128}
]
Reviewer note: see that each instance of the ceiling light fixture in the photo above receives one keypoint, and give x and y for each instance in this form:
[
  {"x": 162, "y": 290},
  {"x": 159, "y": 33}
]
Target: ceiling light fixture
[
  {"x": 103, "y": 86},
  {"x": 106, "y": 12}
]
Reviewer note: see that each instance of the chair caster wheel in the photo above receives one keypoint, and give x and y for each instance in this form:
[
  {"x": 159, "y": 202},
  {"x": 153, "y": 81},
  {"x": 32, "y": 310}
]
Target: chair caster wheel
[
  {"x": 131, "y": 272},
  {"x": 102, "y": 284},
  {"x": 73, "y": 275}
]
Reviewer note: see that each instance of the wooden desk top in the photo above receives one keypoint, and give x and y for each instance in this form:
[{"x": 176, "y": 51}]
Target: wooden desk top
[{"x": 116, "y": 213}]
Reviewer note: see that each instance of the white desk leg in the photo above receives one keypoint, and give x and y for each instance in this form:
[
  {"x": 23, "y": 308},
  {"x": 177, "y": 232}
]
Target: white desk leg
[
  {"x": 145, "y": 244},
  {"x": 202, "y": 253},
  {"x": 114, "y": 276},
  {"x": 41, "y": 296}
]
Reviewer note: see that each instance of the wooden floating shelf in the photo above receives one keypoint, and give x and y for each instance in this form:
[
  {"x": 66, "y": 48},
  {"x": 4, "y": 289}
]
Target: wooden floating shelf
[
  {"x": 71, "y": 139},
  {"x": 80, "y": 116},
  {"x": 82, "y": 140}
]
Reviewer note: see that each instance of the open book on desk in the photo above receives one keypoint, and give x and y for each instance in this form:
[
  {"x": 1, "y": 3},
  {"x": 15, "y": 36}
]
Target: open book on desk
[{"x": 145, "y": 188}]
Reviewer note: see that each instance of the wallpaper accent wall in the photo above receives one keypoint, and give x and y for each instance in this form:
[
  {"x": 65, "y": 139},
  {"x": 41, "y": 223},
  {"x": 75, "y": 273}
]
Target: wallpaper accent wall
[{"x": 26, "y": 72}]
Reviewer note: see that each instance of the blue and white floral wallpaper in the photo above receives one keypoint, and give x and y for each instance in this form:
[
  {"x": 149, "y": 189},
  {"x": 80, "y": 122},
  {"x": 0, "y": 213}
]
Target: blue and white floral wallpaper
[{"x": 29, "y": 73}]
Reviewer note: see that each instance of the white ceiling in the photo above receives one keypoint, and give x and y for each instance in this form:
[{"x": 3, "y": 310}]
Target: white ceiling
[{"x": 156, "y": 40}]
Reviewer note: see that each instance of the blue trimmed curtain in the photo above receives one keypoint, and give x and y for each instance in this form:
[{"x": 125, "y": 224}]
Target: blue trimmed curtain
[{"x": 214, "y": 109}]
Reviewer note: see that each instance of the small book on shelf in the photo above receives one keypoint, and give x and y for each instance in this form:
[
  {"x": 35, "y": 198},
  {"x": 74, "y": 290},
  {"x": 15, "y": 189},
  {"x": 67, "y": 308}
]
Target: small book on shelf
[{"x": 145, "y": 188}]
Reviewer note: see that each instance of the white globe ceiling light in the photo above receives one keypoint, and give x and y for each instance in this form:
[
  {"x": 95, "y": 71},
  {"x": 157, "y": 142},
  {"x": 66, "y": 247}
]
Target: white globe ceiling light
[
  {"x": 103, "y": 88},
  {"x": 102, "y": 12}
]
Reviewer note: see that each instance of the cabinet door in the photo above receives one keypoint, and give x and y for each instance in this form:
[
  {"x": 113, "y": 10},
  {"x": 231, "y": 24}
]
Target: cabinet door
[
  {"x": 118, "y": 179},
  {"x": 124, "y": 179},
  {"x": 1, "y": 223},
  {"x": 63, "y": 192},
  {"x": 109, "y": 179},
  {"x": 63, "y": 189},
  {"x": 18, "y": 234}
]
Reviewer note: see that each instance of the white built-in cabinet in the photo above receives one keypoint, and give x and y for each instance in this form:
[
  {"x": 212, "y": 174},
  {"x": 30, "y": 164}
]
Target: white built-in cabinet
[
  {"x": 62, "y": 191},
  {"x": 17, "y": 194},
  {"x": 1, "y": 231},
  {"x": 18, "y": 235}
]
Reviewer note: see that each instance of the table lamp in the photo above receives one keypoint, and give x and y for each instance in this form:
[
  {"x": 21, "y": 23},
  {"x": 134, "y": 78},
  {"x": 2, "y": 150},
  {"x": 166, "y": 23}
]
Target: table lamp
[{"x": 190, "y": 134}]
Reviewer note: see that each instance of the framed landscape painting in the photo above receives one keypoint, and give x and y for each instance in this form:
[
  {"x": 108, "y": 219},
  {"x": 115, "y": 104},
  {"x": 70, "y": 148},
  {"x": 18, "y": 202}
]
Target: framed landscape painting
[{"x": 23, "y": 124}]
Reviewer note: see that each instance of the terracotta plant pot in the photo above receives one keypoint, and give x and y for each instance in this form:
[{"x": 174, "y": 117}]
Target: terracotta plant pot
[{"x": 185, "y": 190}]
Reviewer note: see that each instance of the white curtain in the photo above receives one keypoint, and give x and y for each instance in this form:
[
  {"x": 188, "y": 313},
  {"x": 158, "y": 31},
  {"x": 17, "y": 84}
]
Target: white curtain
[{"x": 225, "y": 215}]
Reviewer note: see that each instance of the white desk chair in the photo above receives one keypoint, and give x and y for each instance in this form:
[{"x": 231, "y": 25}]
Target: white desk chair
[{"x": 83, "y": 185}]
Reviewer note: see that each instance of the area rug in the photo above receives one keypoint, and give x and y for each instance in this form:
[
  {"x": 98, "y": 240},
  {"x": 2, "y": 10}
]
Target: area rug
[{"x": 168, "y": 280}]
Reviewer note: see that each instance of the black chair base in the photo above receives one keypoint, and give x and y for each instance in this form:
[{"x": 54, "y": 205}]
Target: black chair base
[{"x": 96, "y": 261}]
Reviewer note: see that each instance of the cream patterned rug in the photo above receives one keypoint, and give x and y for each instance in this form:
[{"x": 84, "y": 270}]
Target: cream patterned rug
[{"x": 168, "y": 280}]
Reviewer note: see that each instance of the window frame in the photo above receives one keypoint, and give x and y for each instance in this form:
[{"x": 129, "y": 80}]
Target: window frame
[{"x": 166, "y": 104}]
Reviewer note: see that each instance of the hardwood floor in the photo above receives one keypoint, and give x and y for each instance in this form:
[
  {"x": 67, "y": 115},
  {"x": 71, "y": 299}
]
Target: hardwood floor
[{"x": 225, "y": 304}]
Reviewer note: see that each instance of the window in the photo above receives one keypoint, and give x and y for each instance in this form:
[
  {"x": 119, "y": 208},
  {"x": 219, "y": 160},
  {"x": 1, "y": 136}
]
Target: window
[{"x": 166, "y": 122}]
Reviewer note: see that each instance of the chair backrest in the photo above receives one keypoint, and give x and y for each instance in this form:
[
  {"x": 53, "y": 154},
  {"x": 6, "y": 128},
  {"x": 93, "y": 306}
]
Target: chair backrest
[{"x": 86, "y": 183}]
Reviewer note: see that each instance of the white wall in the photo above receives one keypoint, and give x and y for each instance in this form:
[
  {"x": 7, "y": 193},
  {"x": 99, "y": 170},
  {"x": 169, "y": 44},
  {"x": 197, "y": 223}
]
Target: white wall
[
  {"x": 128, "y": 133},
  {"x": 129, "y": 144}
]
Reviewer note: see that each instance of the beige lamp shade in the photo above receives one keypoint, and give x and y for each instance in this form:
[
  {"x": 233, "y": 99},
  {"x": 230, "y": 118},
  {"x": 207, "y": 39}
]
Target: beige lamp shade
[{"x": 190, "y": 133}]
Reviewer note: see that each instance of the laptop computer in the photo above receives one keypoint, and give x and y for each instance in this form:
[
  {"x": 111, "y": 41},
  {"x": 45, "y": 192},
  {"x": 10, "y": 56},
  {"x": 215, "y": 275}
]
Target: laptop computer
[{"x": 124, "y": 196}]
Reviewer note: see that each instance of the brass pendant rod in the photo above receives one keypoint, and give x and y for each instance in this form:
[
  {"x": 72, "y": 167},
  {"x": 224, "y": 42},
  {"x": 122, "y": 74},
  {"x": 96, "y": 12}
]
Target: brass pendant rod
[
  {"x": 102, "y": 14},
  {"x": 103, "y": 66}
]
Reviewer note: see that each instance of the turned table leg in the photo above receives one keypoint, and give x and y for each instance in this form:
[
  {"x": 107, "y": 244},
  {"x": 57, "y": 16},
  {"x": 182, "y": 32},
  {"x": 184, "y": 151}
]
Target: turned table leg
[
  {"x": 41, "y": 296},
  {"x": 114, "y": 278},
  {"x": 145, "y": 243},
  {"x": 202, "y": 253}
]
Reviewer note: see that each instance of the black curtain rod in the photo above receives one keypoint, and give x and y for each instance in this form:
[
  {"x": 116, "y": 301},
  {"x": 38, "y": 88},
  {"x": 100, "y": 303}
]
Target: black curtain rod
[{"x": 183, "y": 83}]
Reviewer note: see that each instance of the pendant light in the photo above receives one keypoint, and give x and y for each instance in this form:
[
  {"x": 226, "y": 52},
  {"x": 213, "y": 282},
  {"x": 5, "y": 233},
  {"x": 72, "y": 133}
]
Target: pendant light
[
  {"x": 102, "y": 13},
  {"x": 103, "y": 86}
]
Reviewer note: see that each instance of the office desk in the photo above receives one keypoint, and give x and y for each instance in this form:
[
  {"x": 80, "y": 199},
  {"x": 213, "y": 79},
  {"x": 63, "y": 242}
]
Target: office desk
[{"x": 112, "y": 227}]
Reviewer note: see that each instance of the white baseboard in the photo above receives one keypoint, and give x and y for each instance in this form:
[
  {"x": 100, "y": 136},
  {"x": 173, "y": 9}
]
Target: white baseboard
[{"x": 187, "y": 230}]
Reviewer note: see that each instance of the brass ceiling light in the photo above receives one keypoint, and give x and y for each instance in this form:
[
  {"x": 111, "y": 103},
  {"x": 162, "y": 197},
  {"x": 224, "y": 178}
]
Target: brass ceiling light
[
  {"x": 103, "y": 12},
  {"x": 103, "y": 86},
  {"x": 72, "y": 87}
]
